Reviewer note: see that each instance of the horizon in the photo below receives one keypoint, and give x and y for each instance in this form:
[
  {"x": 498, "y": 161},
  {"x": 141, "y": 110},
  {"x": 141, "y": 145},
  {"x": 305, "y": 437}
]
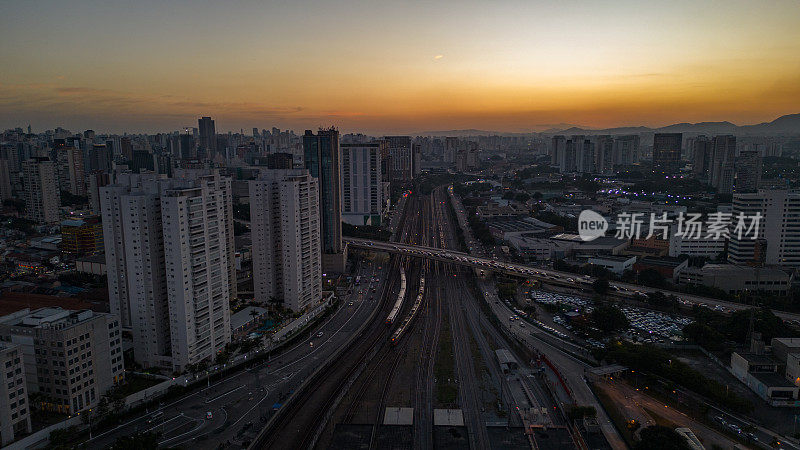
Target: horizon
[{"x": 396, "y": 69}]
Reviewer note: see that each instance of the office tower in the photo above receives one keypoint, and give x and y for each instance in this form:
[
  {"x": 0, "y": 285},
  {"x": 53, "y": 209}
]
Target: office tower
[
  {"x": 71, "y": 174},
  {"x": 71, "y": 357},
  {"x": 401, "y": 157},
  {"x": 558, "y": 152},
  {"x": 142, "y": 161},
  {"x": 15, "y": 408},
  {"x": 626, "y": 150},
  {"x": 722, "y": 169},
  {"x": 667, "y": 152},
  {"x": 126, "y": 147},
  {"x": 82, "y": 236},
  {"x": 778, "y": 241},
  {"x": 169, "y": 256},
  {"x": 702, "y": 151},
  {"x": 363, "y": 196},
  {"x": 101, "y": 157},
  {"x": 285, "y": 229},
  {"x": 207, "y": 137},
  {"x": 280, "y": 161},
  {"x": 188, "y": 149},
  {"x": 42, "y": 198},
  {"x": 322, "y": 159},
  {"x": 5, "y": 180}
]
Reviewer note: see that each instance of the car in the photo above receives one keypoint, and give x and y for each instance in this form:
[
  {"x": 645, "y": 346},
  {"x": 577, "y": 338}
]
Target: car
[
  {"x": 319, "y": 335},
  {"x": 209, "y": 416},
  {"x": 351, "y": 303}
]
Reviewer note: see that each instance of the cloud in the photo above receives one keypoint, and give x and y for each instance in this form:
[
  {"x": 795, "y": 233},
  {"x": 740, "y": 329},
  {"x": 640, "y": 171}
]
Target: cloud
[{"x": 438, "y": 57}]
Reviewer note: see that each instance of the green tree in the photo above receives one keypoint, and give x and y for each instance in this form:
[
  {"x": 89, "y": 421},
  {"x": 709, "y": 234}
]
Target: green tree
[
  {"x": 601, "y": 286},
  {"x": 657, "y": 437},
  {"x": 608, "y": 318}
]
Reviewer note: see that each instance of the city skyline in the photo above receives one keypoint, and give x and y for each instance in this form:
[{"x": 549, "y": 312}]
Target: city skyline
[{"x": 397, "y": 69}]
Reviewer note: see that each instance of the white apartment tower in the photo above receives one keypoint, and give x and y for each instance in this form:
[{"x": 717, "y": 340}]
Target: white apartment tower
[
  {"x": 42, "y": 199},
  {"x": 778, "y": 240},
  {"x": 363, "y": 194},
  {"x": 169, "y": 262},
  {"x": 285, "y": 226}
]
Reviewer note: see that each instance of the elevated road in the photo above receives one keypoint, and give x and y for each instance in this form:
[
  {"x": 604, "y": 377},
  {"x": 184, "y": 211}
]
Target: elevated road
[{"x": 549, "y": 276}]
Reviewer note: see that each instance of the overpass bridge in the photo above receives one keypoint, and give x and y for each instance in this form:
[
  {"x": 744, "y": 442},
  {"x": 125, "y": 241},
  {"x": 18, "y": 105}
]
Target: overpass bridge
[{"x": 549, "y": 276}]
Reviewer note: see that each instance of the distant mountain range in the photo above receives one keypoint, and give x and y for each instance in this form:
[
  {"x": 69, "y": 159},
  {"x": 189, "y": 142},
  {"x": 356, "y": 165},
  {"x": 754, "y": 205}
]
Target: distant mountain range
[{"x": 788, "y": 124}]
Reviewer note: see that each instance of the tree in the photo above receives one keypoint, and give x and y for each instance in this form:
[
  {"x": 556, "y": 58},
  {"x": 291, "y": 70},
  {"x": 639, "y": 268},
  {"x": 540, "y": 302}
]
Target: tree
[
  {"x": 652, "y": 277},
  {"x": 608, "y": 318},
  {"x": 657, "y": 437},
  {"x": 506, "y": 291},
  {"x": 601, "y": 286}
]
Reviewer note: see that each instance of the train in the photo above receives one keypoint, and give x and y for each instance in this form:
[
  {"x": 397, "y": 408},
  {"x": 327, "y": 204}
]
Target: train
[
  {"x": 400, "y": 296},
  {"x": 398, "y": 333}
]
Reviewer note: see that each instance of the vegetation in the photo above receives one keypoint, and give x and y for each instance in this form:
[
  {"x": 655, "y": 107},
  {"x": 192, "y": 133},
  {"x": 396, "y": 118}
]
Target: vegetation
[
  {"x": 506, "y": 291},
  {"x": 82, "y": 279},
  {"x": 657, "y": 437},
  {"x": 139, "y": 441},
  {"x": 576, "y": 413},
  {"x": 609, "y": 318},
  {"x": 18, "y": 223},
  {"x": 655, "y": 361},
  {"x": 711, "y": 329}
]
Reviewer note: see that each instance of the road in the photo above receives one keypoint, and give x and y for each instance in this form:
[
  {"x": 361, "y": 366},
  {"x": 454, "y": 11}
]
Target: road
[{"x": 239, "y": 404}]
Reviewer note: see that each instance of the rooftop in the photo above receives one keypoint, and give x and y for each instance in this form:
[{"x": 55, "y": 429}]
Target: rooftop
[{"x": 773, "y": 379}]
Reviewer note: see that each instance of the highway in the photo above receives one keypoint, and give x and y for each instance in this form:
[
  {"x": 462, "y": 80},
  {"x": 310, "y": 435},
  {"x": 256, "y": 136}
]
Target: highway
[{"x": 239, "y": 404}]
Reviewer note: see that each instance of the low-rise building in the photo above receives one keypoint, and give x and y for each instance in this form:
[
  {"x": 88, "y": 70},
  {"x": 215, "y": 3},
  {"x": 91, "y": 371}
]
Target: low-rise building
[
  {"x": 615, "y": 264},
  {"x": 15, "y": 412},
  {"x": 735, "y": 279},
  {"x": 71, "y": 357},
  {"x": 761, "y": 374},
  {"x": 669, "y": 268}
]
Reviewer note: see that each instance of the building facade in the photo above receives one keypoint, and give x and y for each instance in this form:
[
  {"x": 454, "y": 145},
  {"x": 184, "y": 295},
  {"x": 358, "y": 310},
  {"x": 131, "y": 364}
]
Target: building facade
[
  {"x": 778, "y": 240},
  {"x": 285, "y": 227},
  {"x": 667, "y": 152},
  {"x": 42, "y": 199},
  {"x": 363, "y": 190},
  {"x": 15, "y": 409},
  {"x": 169, "y": 257},
  {"x": 323, "y": 161},
  {"x": 71, "y": 357}
]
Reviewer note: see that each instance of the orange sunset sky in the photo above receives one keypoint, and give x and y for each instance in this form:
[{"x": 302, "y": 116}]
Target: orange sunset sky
[{"x": 396, "y": 67}]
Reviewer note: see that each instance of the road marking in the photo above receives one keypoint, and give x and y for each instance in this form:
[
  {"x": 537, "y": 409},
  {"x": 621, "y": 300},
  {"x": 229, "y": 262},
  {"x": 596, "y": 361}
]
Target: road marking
[{"x": 223, "y": 395}]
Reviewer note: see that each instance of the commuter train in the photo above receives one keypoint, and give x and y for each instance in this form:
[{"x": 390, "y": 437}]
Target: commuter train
[
  {"x": 414, "y": 308},
  {"x": 399, "y": 303}
]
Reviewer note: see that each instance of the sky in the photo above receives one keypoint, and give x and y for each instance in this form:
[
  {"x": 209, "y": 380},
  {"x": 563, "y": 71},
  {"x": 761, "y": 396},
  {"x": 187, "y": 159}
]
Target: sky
[{"x": 395, "y": 67}]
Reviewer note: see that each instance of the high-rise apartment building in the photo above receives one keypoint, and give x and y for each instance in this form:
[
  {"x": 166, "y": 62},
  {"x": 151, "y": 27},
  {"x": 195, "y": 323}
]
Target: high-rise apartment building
[
  {"x": 363, "y": 189},
  {"x": 322, "y": 158},
  {"x": 71, "y": 174},
  {"x": 71, "y": 358},
  {"x": 15, "y": 408},
  {"x": 126, "y": 147},
  {"x": 42, "y": 198},
  {"x": 207, "y": 137},
  {"x": 748, "y": 171},
  {"x": 285, "y": 227},
  {"x": 558, "y": 152},
  {"x": 702, "y": 154},
  {"x": 5, "y": 180},
  {"x": 401, "y": 158},
  {"x": 722, "y": 170},
  {"x": 626, "y": 150},
  {"x": 778, "y": 240},
  {"x": 667, "y": 152},
  {"x": 169, "y": 256}
]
